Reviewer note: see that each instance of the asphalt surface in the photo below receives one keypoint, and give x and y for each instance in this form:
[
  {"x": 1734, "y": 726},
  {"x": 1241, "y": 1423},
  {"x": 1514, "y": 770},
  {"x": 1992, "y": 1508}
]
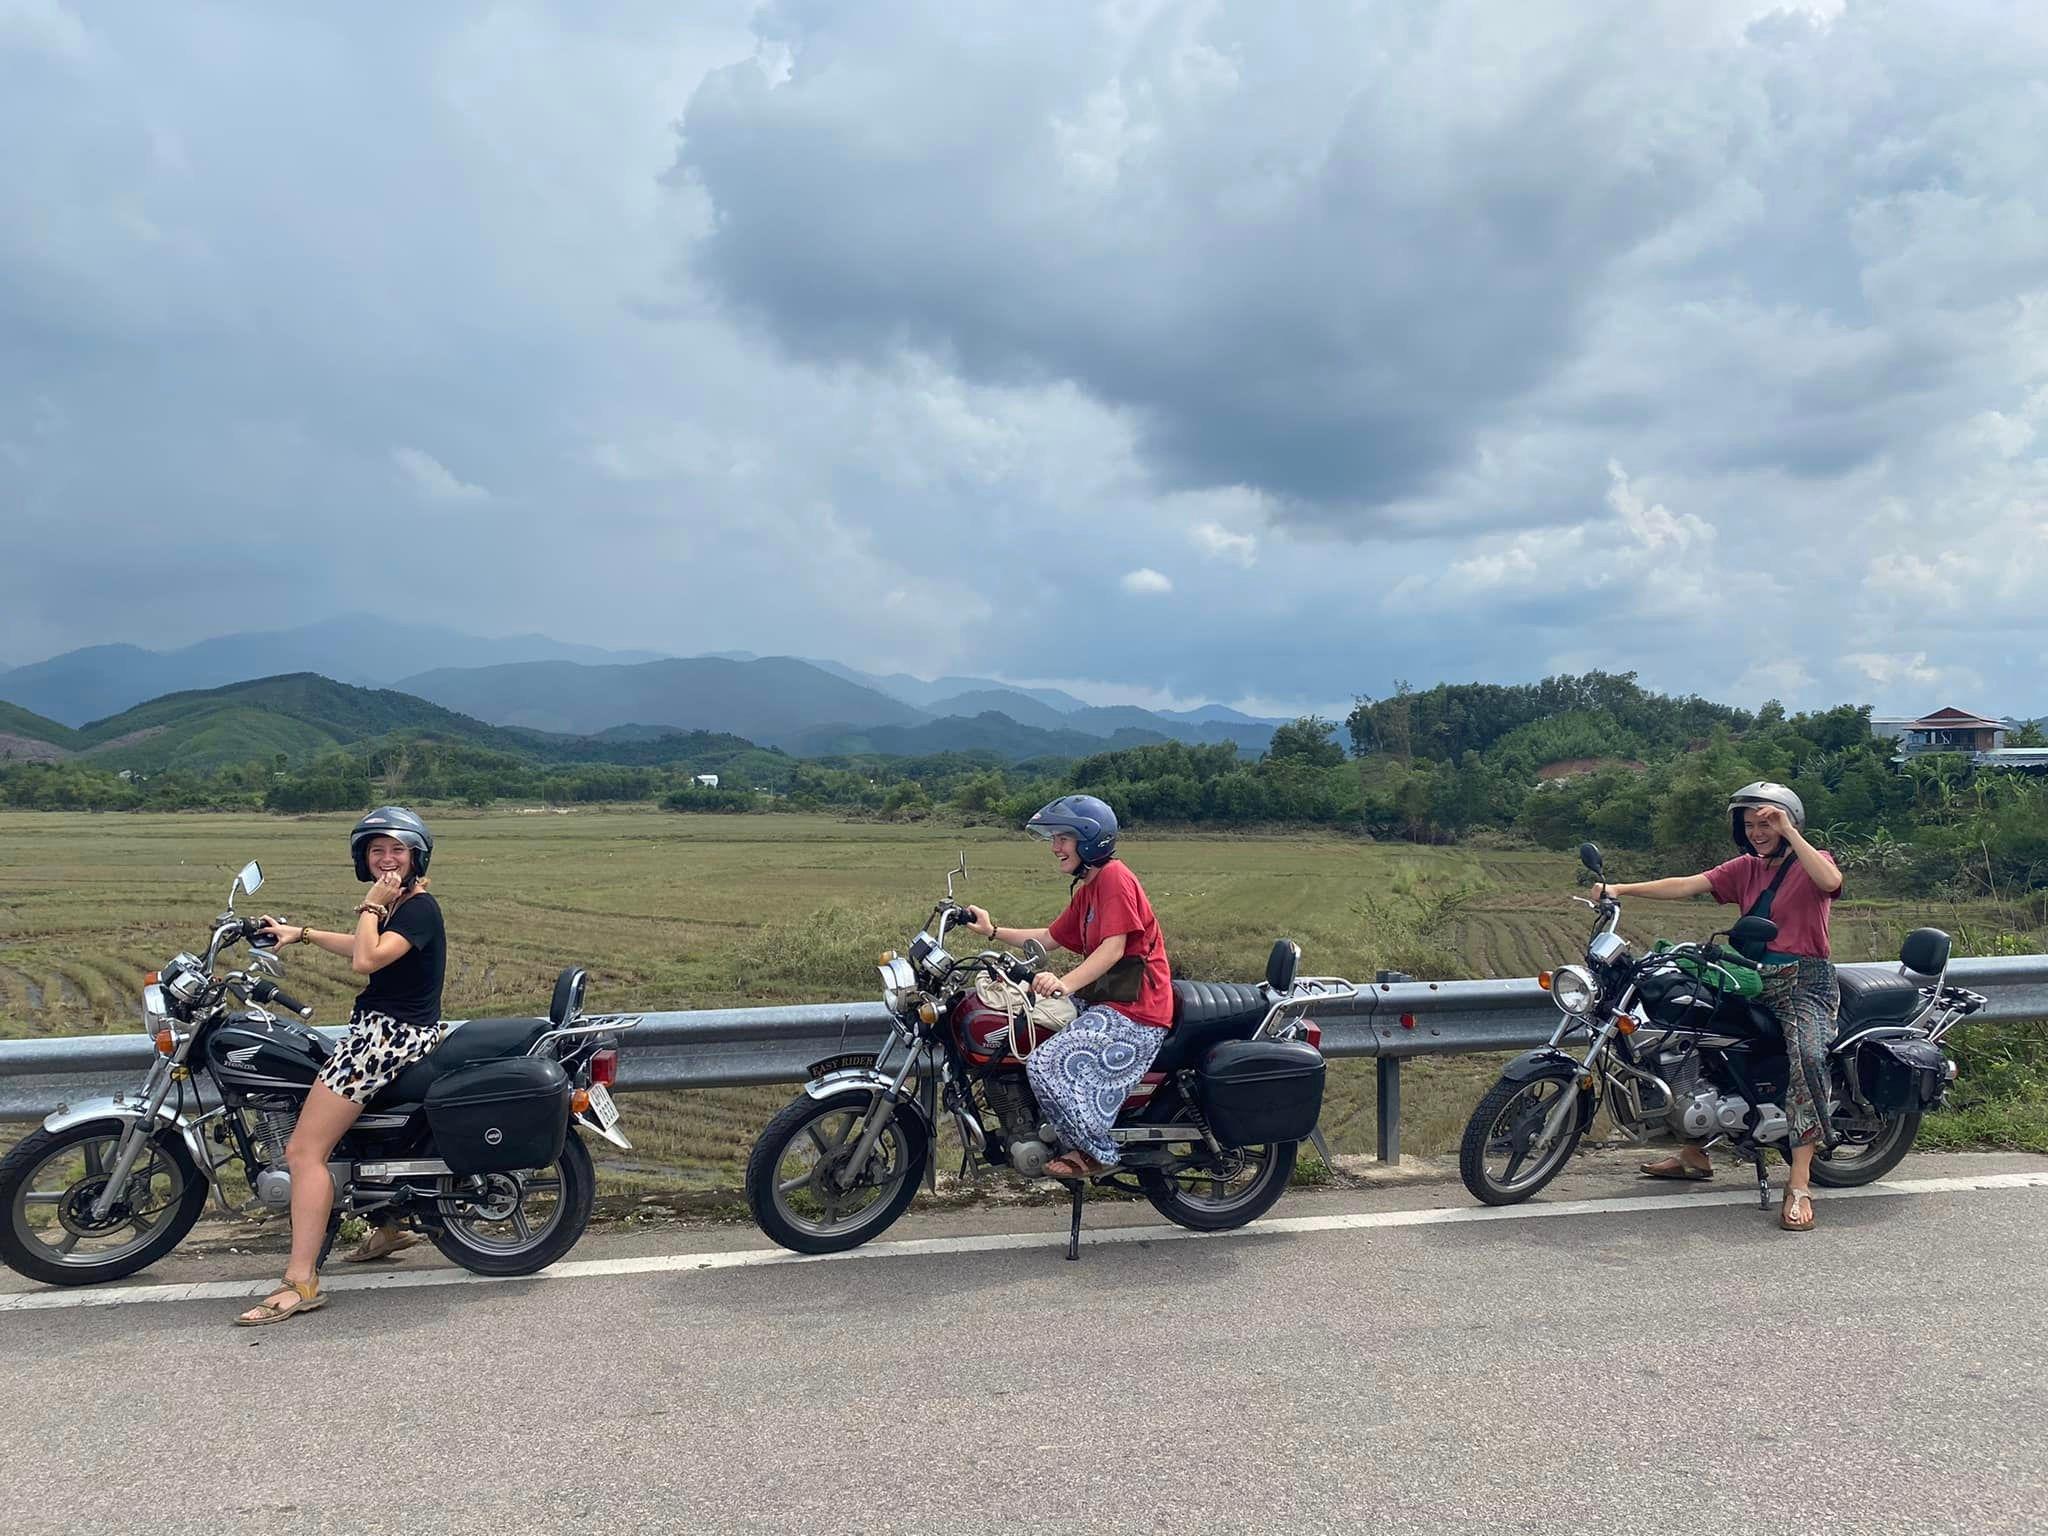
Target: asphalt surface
[{"x": 1642, "y": 1361}]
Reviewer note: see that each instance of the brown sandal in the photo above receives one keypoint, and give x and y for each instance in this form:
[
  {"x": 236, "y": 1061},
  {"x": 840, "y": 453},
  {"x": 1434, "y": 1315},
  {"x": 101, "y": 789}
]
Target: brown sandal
[
  {"x": 1796, "y": 1213},
  {"x": 1075, "y": 1165},
  {"x": 1674, "y": 1167},
  {"x": 382, "y": 1243},
  {"x": 305, "y": 1298}
]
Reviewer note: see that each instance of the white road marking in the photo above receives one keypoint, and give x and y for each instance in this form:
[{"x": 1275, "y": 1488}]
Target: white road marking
[{"x": 749, "y": 1258}]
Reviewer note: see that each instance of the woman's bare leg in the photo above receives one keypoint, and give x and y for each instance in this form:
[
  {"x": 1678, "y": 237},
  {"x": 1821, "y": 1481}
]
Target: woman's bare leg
[{"x": 323, "y": 1122}]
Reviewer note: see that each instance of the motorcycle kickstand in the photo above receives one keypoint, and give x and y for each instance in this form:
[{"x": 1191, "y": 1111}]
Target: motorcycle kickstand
[
  {"x": 1763, "y": 1181},
  {"x": 1078, "y": 1188}
]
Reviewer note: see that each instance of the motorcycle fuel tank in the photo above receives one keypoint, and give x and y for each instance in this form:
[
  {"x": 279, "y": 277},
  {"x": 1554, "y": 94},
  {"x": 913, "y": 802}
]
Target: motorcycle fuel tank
[{"x": 253, "y": 1053}]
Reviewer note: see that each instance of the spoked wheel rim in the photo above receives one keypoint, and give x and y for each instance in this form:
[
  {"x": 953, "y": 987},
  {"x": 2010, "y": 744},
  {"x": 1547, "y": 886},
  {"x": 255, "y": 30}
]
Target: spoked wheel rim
[
  {"x": 51, "y": 1212},
  {"x": 1223, "y": 1185},
  {"x": 510, "y": 1213},
  {"x": 806, "y": 1190},
  {"x": 1520, "y": 1153}
]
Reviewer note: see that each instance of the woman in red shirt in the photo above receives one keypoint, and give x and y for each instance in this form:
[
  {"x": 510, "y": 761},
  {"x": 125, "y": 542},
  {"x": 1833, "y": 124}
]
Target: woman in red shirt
[
  {"x": 1083, "y": 1074},
  {"x": 1779, "y": 875}
]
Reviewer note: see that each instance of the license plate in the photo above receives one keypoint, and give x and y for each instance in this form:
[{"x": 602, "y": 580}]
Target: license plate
[{"x": 602, "y": 1106}]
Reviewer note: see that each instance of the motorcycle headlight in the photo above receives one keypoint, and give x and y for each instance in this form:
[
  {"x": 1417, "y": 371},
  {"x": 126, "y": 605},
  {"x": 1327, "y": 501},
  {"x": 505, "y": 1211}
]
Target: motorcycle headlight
[
  {"x": 155, "y": 1011},
  {"x": 1573, "y": 989},
  {"x": 899, "y": 983}
]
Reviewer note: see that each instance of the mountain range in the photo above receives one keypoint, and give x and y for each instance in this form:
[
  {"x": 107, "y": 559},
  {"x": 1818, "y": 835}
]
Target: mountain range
[{"x": 538, "y": 696}]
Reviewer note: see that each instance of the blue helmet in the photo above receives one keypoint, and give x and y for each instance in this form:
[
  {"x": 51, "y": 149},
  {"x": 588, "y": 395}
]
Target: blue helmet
[{"x": 1091, "y": 821}]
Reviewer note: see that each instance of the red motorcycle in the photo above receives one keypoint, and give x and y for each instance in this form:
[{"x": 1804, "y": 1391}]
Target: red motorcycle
[{"x": 1209, "y": 1136}]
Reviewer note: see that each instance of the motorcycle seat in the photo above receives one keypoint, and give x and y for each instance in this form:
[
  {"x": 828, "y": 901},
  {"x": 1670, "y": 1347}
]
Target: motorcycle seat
[
  {"x": 1205, "y": 1013},
  {"x": 1869, "y": 1000},
  {"x": 466, "y": 1044}
]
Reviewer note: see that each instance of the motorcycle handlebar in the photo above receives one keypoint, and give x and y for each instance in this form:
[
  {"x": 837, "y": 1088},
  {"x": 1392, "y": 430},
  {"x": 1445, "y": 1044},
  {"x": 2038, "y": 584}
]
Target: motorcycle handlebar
[{"x": 271, "y": 992}]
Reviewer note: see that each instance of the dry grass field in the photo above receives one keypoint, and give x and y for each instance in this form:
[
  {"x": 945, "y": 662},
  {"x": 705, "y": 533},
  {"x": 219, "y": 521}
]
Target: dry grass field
[{"x": 676, "y": 911}]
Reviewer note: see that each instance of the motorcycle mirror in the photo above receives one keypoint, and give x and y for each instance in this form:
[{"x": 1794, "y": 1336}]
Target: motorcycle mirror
[
  {"x": 269, "y": 965},
  {"x": 1034, "y": 952},
  {"x": 1589, "y": 855},
  {"x": 957, "y": 873}
]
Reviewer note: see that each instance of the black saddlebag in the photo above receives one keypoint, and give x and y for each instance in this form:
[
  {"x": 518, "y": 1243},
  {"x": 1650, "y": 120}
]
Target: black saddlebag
[
  {"x": 1902, "y": 1076},
  {"x": 500, "y": 1115},
  {"x": 1260, "y": 1091}
]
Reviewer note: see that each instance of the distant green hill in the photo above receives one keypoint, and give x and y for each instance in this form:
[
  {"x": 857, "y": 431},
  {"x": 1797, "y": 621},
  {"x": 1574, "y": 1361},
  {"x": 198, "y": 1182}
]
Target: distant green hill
[
  {"x": 989, "y": 731},
  {"x": 28, "y": 737}
]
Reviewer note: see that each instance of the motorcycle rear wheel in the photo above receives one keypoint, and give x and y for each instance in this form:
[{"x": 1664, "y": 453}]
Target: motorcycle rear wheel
[
  {"x": 1507, "y": 1125},
  {"x": 1851, "y": 1165},
  {"x": 505, "y": 1237},
  {"x": 46, "y": 1187},
  {"x": 1212, "y": 1201}
]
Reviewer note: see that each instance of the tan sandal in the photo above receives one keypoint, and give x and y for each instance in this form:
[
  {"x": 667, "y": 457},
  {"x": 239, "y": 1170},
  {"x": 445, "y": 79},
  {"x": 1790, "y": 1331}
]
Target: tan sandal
[
  {"x": 305, "y": 1298},
  {"x": 1796, "y": 1214},
  {"x": 1075, "y": 1165},
  {"x": 1674, "y": 1167},
  {"x": 382, "y": 1243}
]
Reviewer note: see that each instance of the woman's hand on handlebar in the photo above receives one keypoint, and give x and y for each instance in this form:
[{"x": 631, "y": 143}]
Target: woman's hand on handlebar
[
  {"x": 978, "y": 919},
  {"x": 270, "y": 931},
  {"x": 1045, "y": 984}
]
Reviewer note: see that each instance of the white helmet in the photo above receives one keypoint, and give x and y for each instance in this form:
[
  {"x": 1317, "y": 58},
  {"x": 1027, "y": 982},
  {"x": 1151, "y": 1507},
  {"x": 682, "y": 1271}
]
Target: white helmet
[{"x": 1763, "y": 792}]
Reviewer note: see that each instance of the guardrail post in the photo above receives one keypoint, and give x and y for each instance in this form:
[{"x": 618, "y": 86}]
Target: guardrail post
[{"x": 1389, "y": 1105}]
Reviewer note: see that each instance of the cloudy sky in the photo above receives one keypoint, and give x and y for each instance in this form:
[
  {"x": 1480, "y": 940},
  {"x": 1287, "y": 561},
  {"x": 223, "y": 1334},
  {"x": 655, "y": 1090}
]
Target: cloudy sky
[{"x": 1171, "y": 351}]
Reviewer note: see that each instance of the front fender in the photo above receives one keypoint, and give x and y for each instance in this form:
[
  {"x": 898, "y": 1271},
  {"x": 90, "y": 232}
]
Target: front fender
[
  {"x": 1549, "y": 1061},
  {"x": 857, "y": 1077},
  {"x": 66, "y": 1116}
]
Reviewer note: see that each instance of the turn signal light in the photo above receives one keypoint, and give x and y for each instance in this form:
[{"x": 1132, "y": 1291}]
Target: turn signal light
[
  {"x": 1543, "y": 980},
  {"x": 927, "y": 1012},
  {"x": 604, "y": 1066},
  {"x": 151, "y": 979},
  {"x": 1624, "y": 1025},
  {"x": 579, "y": 1102},
  {"x": 166, "y": 1043},
  {"x": 887, "y": 957}
]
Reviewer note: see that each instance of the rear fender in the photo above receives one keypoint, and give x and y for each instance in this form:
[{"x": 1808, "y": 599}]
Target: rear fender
[{"x": 1549, "y": 1061}]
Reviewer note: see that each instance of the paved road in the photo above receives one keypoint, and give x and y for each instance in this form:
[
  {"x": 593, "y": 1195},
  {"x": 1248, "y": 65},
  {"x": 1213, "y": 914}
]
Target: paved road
[{"x": 1645, "y": 1360}]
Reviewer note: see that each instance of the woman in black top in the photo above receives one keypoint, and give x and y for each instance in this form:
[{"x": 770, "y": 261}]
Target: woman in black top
[{"x": 399, "y": 943}]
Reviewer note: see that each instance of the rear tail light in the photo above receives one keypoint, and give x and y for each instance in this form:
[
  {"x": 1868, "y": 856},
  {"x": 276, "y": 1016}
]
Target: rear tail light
[
  {"x": 604, "y": 1066},
  {"x": 1312, "y": 1032}
]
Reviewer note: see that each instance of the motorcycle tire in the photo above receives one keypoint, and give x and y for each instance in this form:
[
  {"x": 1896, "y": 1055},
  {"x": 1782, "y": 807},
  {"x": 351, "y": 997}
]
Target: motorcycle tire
[
  {"x": 1197, "y": 1214},
  {"x": 18, "y": 1248},
  {"x": 905, "y": 1145},
  {"x": 456, "y": 1237},
  {"x": 1851, "y": 1166},
  {"x": 1479, "y": 1133}
]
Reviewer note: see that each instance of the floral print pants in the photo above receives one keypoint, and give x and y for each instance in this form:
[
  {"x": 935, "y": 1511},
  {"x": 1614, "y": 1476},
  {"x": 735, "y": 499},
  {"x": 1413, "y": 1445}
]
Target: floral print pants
[
  {"x": 1806, "y": 998},
  {"x": 1083, "y": 1074}
]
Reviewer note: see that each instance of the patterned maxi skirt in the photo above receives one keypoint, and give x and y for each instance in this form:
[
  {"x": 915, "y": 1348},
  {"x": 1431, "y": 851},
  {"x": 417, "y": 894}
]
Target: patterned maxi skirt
[
  {"x": 1083, "y": 1074},
  {"x": 1806, "y": 998}
]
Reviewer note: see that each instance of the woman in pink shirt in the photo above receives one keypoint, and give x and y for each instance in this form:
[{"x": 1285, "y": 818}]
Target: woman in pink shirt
[{"x": 1779, "y": 875}]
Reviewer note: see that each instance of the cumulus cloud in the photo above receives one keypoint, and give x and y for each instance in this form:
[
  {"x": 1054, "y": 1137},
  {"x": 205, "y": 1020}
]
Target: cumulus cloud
[
  {"x": 432, "y": 479},
  {"x": 1219, "y": 543},
  {"x": 1146, "y": 582},
  {"x": 869, "y": 310}
]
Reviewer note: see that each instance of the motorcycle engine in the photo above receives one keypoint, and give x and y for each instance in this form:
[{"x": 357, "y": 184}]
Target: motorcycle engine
[
  {"x": 1709, "y": 1113},
  {"x": 1009, "y": 1095},
  {"x": 269, "y": 1133}
]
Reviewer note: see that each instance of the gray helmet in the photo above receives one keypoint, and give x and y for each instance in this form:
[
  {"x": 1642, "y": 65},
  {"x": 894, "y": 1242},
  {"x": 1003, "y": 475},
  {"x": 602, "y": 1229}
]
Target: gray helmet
[
  {"x": 1761, "y": 793},
  {"x": 391, "y": 821}
]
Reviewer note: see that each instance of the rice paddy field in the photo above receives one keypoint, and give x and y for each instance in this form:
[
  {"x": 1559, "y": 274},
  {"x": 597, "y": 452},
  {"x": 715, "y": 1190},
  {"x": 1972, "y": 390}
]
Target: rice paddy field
[{"x": 678, "y": 911}]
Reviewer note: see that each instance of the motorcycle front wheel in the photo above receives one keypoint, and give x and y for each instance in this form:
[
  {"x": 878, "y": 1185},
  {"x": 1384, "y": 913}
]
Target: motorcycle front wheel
[
  {"x": 794, "y": 1186},
  {"x": 1508, "y": 1152},
  {"x": 516, "y": 1223},
  {"x": 48, "y": 1185}
]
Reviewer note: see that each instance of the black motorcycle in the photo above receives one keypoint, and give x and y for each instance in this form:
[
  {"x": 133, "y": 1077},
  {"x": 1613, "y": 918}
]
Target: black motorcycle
[
  {"x": 1681, "y": 1046},
  {"x": 476, "y": 1143}
]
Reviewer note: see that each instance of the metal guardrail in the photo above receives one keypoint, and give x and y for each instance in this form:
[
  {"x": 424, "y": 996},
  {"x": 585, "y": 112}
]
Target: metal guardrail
[{"x": 1389, "y": 1022}]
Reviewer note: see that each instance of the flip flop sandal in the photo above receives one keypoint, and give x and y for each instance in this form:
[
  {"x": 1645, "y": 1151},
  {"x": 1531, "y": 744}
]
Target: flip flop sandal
[
  {"x": 1075, "y": 1165},
  {"x": 308, "y": 1298},
  {"x": 382, "y": 1243},
  {"x": 1675, "y": 1168},
  {"x": 1796, "y": 1214}
]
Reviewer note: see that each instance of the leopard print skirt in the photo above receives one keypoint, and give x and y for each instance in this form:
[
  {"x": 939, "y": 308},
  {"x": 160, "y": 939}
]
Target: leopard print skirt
[{"x": 376, "y": 1049}]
